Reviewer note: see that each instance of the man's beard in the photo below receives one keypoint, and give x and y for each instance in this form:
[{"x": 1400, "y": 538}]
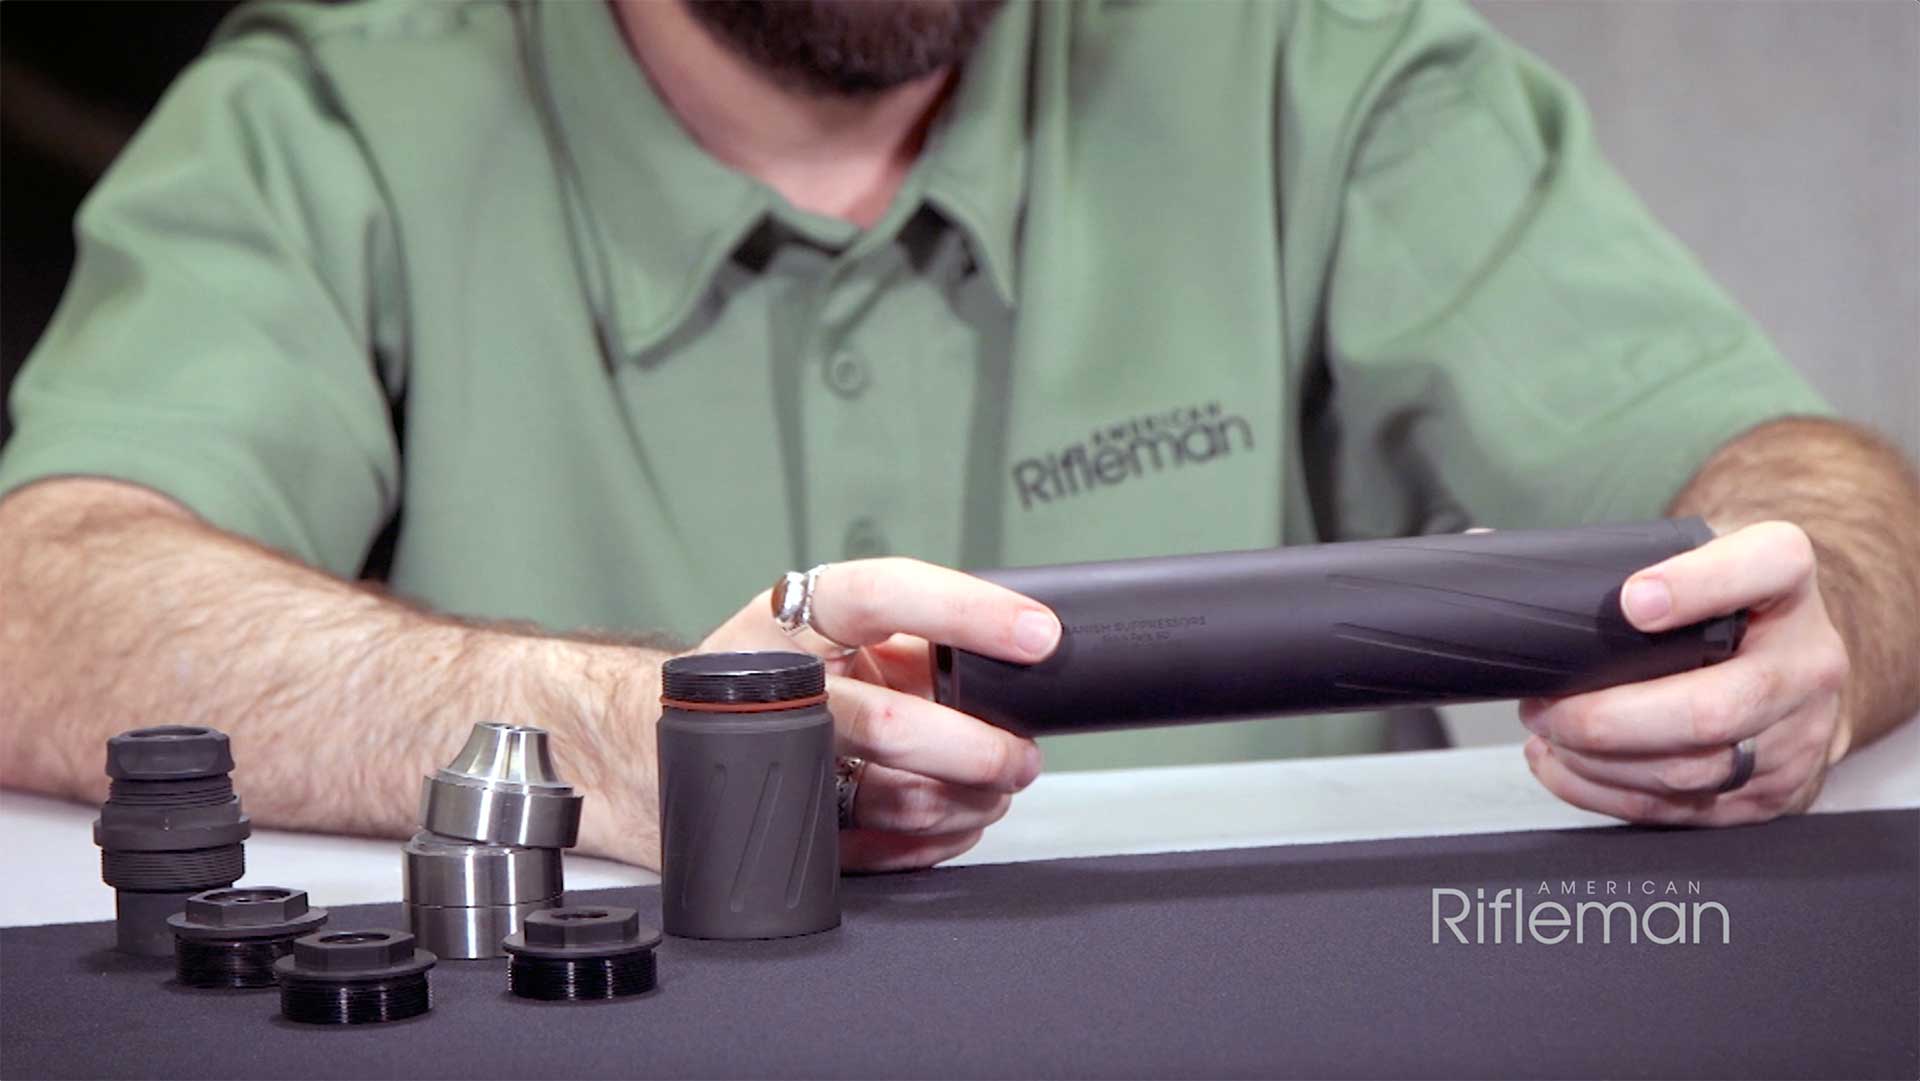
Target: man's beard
[{"x": 847, "y": 48}]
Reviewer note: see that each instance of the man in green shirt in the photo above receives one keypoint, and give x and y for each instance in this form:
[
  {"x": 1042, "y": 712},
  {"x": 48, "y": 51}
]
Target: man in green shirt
[{"x": 581, "y": 322}]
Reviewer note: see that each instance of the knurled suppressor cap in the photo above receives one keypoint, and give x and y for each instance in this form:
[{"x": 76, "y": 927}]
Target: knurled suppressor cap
[
  {"x": 231, "y": 937},
  {"x": 354, "y": 978},
  {"x": 581, "y": 953},
  {"x": 171, "y": 827},
  {"x": 502, "y": 788},
  {"x": 463, "y": 897}
]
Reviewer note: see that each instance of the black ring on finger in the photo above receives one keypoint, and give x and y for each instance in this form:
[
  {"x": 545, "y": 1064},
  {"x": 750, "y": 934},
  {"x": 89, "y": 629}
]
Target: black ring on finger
[{"x": 1744, "y": 760}]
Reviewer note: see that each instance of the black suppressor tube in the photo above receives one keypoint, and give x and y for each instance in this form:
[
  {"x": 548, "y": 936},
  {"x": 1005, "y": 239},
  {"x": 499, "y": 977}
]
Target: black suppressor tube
[
  {"x": 750, "y": 843},
  {"x": 580, "y": 954},
  {"x": 354, "y": 978},
  {"x": 230, "y": 938},
  {"x": 171, "y": 827},
  {"x": 1333, "y": 627}
]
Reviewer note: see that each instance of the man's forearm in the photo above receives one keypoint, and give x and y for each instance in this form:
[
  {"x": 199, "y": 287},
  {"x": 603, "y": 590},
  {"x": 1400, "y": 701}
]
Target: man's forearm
[
  {"x": 1859, "y": 502},
  {"x": 118, "y": 610}
]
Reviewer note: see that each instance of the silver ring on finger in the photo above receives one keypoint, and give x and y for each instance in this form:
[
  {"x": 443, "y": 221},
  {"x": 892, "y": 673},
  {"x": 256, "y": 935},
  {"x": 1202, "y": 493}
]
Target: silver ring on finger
[
  {"x": 793, "y": 611},
  {"x": 847, "y": 772},
  {"x": 1744, "y": 758}
]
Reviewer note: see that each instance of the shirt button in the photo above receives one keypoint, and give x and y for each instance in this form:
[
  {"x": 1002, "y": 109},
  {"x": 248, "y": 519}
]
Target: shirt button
[
  {"x": 847, "y": 374},
  {"x": 864, "y": 540}
]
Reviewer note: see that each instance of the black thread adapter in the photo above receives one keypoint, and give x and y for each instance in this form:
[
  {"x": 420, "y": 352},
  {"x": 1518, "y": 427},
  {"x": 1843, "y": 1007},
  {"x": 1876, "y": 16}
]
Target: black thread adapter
[
  {"x": 354, "y": 978},
  {"x": 231, "y": 937},
  {"x": 581, "y": 953},
  {"x": 171, "y": 828}
]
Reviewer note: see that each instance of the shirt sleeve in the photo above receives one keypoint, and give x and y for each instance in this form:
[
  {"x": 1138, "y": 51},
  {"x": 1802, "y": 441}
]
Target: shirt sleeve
[
  {"x": 217, "y": 341},
  {"x": 1510, "y": 338}
]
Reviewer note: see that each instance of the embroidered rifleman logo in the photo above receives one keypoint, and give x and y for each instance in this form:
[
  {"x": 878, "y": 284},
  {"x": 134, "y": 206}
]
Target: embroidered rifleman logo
[{"x": 1116, "y": 453}]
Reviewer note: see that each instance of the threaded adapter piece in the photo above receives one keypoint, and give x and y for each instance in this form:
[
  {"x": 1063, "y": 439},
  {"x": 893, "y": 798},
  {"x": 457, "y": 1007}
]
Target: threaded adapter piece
[
  {"x": 231, "y": 938},
  {"x": 581, "y": 953},
  {"x": 171, "y": 827},
  {"x": 354, "y": 978}
]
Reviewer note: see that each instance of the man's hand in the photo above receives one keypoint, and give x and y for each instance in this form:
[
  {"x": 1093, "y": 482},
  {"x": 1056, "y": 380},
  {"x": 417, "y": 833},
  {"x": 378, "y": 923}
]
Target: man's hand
[
  {"x": 935, "y": 777},
  {"x": 1658, "y": 751}
]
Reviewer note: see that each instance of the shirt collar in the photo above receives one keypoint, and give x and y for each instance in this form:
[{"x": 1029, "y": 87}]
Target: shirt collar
[
  {"x": 669, "y": 215},
  {"x": 975, "y": 161}
]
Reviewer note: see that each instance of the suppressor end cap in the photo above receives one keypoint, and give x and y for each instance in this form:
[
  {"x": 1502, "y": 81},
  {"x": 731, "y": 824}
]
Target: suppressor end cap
[
  {"x": 579, "y": 931},
  {"x": 169, "y": 753},
  {"x": 246, "y": 912}
]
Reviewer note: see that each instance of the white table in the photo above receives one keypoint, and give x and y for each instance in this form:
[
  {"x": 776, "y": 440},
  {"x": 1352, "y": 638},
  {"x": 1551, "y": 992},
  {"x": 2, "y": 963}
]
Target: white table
[{"x": 51, "y": 868}]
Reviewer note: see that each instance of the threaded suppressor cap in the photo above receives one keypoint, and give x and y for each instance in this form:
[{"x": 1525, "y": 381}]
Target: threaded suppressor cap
[
  {"x": 580, "y": 953},
  {"x": 232, "y": 937},
  {"x": 354, "y": 978},
  {"x": 503, "y": 788}
]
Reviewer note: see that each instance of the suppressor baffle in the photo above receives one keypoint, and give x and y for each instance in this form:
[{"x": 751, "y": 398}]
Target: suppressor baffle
[
  {"x": 463, "y": 897},
  {"x": 581, "y": 953},
  {"x": 171, "y": 827},
  {"x": 496, "y": 819},
  {"x": 230, "y": 938},
  {"x": 502, "y": 788},
  {"x": 354, "y": 978}
]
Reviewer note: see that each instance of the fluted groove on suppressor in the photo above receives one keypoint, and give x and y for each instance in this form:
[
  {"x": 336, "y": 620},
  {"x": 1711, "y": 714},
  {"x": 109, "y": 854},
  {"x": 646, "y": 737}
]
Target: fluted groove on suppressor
[
  {"x": 821, "y": 796},
  {"x": 1579, "y": 621},
  {"x": 756, "y": 846},
  {"x": 1381, "y": 638}
]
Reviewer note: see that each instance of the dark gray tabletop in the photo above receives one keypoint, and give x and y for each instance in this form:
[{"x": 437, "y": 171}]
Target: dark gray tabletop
[{"x": 1314, "y": 961}]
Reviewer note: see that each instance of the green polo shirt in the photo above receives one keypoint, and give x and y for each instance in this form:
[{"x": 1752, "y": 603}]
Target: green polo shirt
[{"x": 1167, "y": 278}]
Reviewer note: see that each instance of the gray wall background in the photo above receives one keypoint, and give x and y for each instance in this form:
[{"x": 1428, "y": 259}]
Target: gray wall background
[{"x": 1780, "y": 139}]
